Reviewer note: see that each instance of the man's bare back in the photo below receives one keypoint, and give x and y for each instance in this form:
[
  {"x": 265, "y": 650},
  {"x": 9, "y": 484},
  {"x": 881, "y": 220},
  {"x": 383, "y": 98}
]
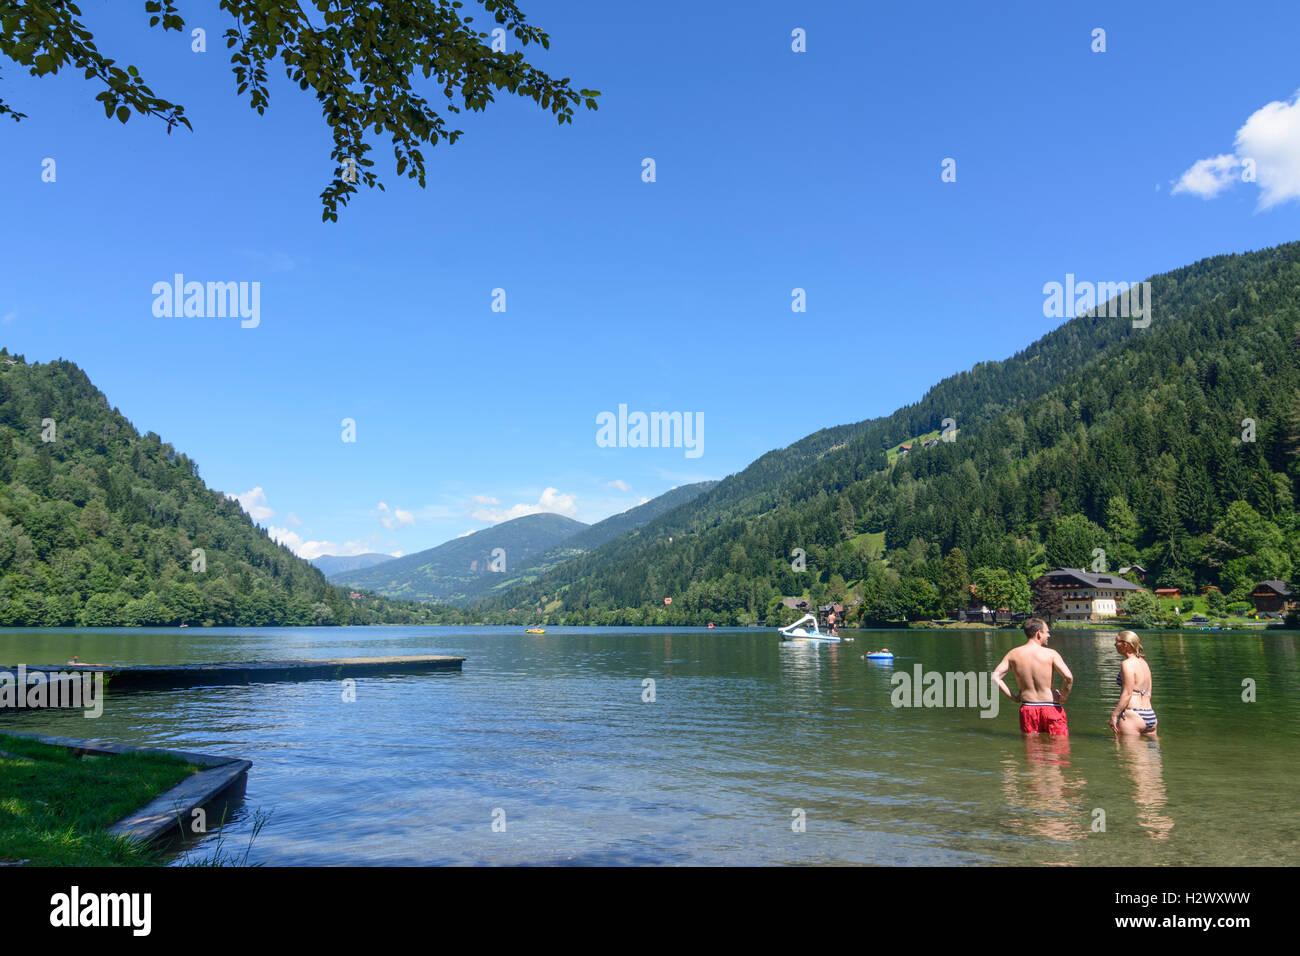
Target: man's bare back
[{"x": 1033, "y": 663}]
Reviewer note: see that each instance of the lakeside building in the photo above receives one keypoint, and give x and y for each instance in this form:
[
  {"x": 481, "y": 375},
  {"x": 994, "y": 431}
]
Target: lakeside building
[
  {"x": 1086, "y": 596},
  {"x": 986, "y": 615},
  {"x": 1272, "y": 596},
  {"x": 1137, "y": 570},
  {"x": 825, "y": 613}
]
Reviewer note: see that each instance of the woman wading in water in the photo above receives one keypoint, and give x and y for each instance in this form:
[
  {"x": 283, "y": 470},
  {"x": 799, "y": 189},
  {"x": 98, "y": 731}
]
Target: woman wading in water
[{"x": 1133, "y": 714}]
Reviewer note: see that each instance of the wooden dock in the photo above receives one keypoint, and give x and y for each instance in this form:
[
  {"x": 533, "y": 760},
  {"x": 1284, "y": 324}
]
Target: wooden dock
[{"x": 175, "y": 676}]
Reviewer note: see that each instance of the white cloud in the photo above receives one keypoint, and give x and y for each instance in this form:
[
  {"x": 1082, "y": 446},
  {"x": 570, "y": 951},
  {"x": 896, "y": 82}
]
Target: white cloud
[
  {"x": 399, "y": 517},
  {"x": 9, "y": 317},
  {"x": 485, "y": 500},
  {"x": 1271, "y": 137},
  {"x": 254, "y": 502},
  {"x": 1270, "y": 142},
  {"x": 294, "y": 520},
  {"x": 314, "y": 549},
  {"x": 552, "y": 500},
  {"x": 1209, "y": 177},
  {"x": 643, "y": 501},
  {"x": 467, "y": 533},
  {"x": 618, "y": 483}
]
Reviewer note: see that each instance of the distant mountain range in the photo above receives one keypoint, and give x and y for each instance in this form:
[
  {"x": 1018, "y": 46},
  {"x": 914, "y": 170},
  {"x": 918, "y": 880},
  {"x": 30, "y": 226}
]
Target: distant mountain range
[
  {"x": 449, "y": 571},
  {"x": 335, "y": 563},
  {"x": 588, "y": 539},
  {"x": 1176, "y": 446},
  {"x": 101, "y": 526},
  {"x": 513, "y": 552}
]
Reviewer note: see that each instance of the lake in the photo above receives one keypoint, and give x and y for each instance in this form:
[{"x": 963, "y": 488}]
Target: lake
[{"x": 751, "y": 752}]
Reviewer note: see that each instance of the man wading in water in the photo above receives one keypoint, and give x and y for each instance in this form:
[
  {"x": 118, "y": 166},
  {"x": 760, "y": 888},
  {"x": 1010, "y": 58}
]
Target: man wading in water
[{"x": 1032, "y": 663}]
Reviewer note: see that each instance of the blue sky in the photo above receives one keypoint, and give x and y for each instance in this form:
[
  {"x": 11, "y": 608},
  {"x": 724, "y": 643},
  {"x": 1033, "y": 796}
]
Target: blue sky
[{"x": 775, "y": 170}]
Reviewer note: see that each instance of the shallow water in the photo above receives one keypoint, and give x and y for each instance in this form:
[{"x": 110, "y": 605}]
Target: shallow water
[{"x": 549, "y": 735}]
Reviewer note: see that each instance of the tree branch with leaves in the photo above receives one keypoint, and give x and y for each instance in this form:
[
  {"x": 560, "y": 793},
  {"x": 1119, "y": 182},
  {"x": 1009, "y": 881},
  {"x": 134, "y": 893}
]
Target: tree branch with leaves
[{"x": 361, "y": 58}]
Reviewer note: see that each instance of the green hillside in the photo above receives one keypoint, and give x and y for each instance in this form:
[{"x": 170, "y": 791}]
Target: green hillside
[
  {"x": 449, "y": 571},
  {"x": 585, "y": 540},
  {"x": 1098, "y": 435},
  {"x": 103, "y": 526}
]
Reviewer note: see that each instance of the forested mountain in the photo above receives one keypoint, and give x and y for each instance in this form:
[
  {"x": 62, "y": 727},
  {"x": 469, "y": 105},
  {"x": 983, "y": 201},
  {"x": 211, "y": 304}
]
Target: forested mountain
[
  {"x": 334, "y": 563},
  {"x": 1174, "y": 445},
  {"x": 101, "y": 526},
  {"x": 448, "y": 571},
  {"x": 587, "y": 539}
]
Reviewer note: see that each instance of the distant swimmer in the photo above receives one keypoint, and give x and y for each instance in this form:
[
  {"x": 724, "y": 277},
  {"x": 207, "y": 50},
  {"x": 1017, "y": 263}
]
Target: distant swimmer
[
  {"x": 1033, "y": 664},
  {"x": 75, "y": 660},
  {"x": 1133, "y": 714}
]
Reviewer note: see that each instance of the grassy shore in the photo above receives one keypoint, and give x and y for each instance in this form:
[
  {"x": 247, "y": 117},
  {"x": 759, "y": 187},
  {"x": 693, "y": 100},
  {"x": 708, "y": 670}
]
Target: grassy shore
[
  {"x": 56, "y": 807},
  {"x": 1241, "y": 626}
]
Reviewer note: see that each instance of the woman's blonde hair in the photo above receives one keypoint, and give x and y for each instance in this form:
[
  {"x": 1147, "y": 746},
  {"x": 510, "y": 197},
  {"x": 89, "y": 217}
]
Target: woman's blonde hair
[{"x": 1128, "y": 637}]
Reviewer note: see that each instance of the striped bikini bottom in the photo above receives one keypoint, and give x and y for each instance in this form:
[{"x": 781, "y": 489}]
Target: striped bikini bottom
[{"x": 1147, "y": 714}]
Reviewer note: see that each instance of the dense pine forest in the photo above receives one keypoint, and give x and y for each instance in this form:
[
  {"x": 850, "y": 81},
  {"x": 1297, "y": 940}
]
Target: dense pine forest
[
  {"x": 100, "y": 526},
  {"x": 1172, "y": 446}
]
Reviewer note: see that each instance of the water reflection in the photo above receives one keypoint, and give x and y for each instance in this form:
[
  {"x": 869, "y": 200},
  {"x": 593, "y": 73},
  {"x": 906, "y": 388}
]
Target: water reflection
[
  {"x": 1142, "y": 762},
  {"x": 1046, "y": 796}
]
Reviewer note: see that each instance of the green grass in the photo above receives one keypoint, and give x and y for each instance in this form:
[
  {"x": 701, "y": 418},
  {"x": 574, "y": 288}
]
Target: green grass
[
  {"x": 868, "y": 540},
  {"x": 891, "y": 454},
  {"x": 1190, "y": 607},
  {"x": 56, "y": 807}
]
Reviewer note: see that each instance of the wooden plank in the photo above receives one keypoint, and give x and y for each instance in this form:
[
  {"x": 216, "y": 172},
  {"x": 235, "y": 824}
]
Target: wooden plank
[
  {"x": 168, "y": 676},
  {"x": 171, "y": 811}
]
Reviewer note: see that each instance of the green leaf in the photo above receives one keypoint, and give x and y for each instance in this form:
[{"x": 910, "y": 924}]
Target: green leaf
[{"x": 123, "y": 113}]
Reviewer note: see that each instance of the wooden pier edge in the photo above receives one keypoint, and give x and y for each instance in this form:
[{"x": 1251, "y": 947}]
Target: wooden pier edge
[
  {"x": 169, "y": 810},
  {"x": 172, "y": 677}
]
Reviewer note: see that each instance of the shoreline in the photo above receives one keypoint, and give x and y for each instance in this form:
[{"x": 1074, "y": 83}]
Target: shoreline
[{"x": 141, "y": 835}]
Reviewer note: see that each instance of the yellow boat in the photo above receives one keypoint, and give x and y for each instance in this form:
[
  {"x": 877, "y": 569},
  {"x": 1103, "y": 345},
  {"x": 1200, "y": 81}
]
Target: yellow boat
[{"x": 535, "y": 630}]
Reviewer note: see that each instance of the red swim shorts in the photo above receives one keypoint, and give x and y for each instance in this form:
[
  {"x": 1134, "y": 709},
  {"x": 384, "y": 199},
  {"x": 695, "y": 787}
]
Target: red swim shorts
[{"x": 1043, "y": 719}]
